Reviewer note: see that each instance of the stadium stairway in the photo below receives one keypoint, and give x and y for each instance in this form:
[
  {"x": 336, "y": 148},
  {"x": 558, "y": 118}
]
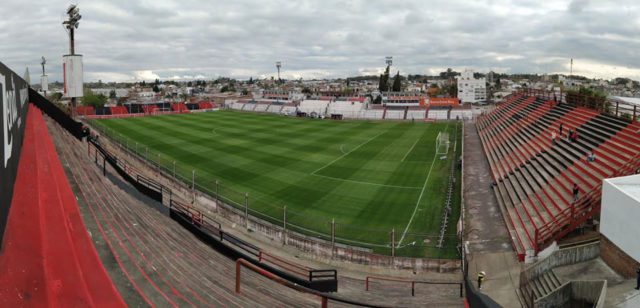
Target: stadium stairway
[
  {"x": 534, "y": 177},
  {"x": 48, "y": 259}
]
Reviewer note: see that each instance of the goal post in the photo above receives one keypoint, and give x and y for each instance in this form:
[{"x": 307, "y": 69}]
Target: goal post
[{"x": 442, "y": 143}]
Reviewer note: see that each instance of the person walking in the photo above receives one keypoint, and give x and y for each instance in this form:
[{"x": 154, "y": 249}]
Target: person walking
[
  {"x": 561, "y": 127},
  {"x": 638, "y": 279},
  {"x": 481, "y": 276},
  {"x": 553, "y": 137},
  {"x": 576, "y": 192}
]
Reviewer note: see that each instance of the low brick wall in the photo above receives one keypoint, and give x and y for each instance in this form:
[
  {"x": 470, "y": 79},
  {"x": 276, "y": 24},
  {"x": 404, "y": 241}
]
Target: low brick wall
[{"x": 617, "y": 259}]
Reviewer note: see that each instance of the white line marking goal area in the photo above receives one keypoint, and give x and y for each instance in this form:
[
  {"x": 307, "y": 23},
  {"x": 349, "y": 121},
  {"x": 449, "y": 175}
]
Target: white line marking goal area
[
  {"x": 442, "y": 139},
  {"x": 347, "y": 153}
]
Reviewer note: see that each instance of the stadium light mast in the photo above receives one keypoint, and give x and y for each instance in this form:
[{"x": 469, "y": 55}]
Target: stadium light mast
[
  {"x": 278, "y": 66},
  {"x": 72, "y": 63},
  {"x": 44, "y": 80},
  {"x": 389, "y": 61}
]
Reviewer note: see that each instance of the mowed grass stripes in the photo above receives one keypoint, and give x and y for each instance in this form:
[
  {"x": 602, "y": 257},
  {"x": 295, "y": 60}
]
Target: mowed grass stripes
[{"x": 371, "y": 177}]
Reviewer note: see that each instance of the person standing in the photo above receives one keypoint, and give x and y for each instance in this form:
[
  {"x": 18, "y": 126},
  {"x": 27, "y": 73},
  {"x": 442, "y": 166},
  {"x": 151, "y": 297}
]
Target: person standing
[
  {"x": 553, "y": 137},
  {"x": 481, "y": 276},
  {"x": 576, "y": 192},
  {"x": 638, "y": 279},
  {"x": 561, "y": 127}
]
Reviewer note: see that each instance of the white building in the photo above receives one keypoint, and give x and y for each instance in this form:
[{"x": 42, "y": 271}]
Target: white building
[
  {"x": 619, "y": 223},
  {"x": 471, "y": 90}
]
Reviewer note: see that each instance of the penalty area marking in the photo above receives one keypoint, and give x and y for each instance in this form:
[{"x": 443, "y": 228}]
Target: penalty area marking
[
  {"x": 365, "y": 183},
  {"x": 415, "y": 210},
  {"x": 345, "y": 154},
  {"x": 411, "y": 149}
]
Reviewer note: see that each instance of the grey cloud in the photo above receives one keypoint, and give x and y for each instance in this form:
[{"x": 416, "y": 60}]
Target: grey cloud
[{"x": 243, "y": 38}]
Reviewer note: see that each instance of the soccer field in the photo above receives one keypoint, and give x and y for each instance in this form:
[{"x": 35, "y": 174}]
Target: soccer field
[{"x": 372, "y": 177}]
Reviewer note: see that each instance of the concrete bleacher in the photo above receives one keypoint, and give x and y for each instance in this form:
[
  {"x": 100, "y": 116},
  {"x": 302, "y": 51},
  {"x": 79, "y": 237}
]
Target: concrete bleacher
[
  {"x": 261, "y": 107},
  {"x": 534, "y": 177},
  {"x": 161, "y": 261},
  {"x": 162, "y": 264},
  {"x": 348, "y": 109},
  {"x": 275, "y": 108},
  {"x": 373, "y": 114},
  {"x": 317, "y": 106},
  {"x": 288, "y": 110},
  {"x": 237, "y": 106},
  {"x": 394, "y": 114},
  {"x": 438, "y": 114},
  {"x": 416, "y": 114},
  {"x": 48, "y": 258}
]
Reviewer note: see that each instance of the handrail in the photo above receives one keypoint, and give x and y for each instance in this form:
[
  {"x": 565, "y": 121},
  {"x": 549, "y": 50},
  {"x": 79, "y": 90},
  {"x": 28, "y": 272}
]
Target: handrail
[
  {"x": 324, "y": 296},
  {"x": 585, "y": 206},
  {"x": 413, "y": 282}
]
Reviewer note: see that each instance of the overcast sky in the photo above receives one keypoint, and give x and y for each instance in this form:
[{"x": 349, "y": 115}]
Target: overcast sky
[{"x": 124, "y": 40}]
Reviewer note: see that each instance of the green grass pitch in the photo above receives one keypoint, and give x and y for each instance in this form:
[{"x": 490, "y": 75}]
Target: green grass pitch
[{"x": 372, "y": 177}]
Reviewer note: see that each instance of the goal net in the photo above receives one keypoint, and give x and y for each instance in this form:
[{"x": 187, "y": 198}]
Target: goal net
[{"x": 442, "y": 143}]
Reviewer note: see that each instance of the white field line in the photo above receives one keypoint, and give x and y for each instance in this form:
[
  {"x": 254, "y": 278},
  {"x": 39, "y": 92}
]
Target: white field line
[
  {"x": 415, "y": 210},
  {"x": 411, "y": 149},
  {"x": 365, "y": 183},
  {"x": 345, "y": 154}
]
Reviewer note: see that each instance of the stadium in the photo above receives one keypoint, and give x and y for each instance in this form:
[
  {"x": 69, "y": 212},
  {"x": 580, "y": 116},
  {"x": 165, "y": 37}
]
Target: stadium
[{"x": 325, "y": 199}]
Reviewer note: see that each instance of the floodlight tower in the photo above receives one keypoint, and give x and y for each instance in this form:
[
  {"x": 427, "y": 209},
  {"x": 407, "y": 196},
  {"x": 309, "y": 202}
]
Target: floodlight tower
[
  {"x": 44, "y": 80},
  {"x": 278, "y": 66},
  {"x": 72, "y": 63},
  {"x": 389, "y": 61}
]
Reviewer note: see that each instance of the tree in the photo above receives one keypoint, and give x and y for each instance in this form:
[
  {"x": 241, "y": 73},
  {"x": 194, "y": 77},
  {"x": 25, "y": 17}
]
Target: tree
[
  {"x": 378, "y": 100},
  {"x": 156, "y": 89},
  {"x": 90, "y": 99},
  {"x": 498, "y": 84},
  {"x": 397, "y": 83},
  {"x": 383, "y": 84},
  {"x": 55, "y": 96},
  {"x": 112, "y": 94}
]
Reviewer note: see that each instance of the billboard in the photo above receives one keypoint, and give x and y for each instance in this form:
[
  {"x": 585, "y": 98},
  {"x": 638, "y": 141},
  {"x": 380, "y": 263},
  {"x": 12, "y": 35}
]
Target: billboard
[
  {"x": 14, "y": 94},
  {"x": 73, "y": 79},
  {"x": 620, "y": 212}
]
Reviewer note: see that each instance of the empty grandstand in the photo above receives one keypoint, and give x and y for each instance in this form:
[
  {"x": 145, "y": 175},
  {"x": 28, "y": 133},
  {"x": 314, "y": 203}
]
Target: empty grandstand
[{"x": 538, "y": 150}]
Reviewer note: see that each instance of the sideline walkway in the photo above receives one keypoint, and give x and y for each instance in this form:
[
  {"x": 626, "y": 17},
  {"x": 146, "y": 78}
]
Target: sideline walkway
[{"x": 487, "y": 237}]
